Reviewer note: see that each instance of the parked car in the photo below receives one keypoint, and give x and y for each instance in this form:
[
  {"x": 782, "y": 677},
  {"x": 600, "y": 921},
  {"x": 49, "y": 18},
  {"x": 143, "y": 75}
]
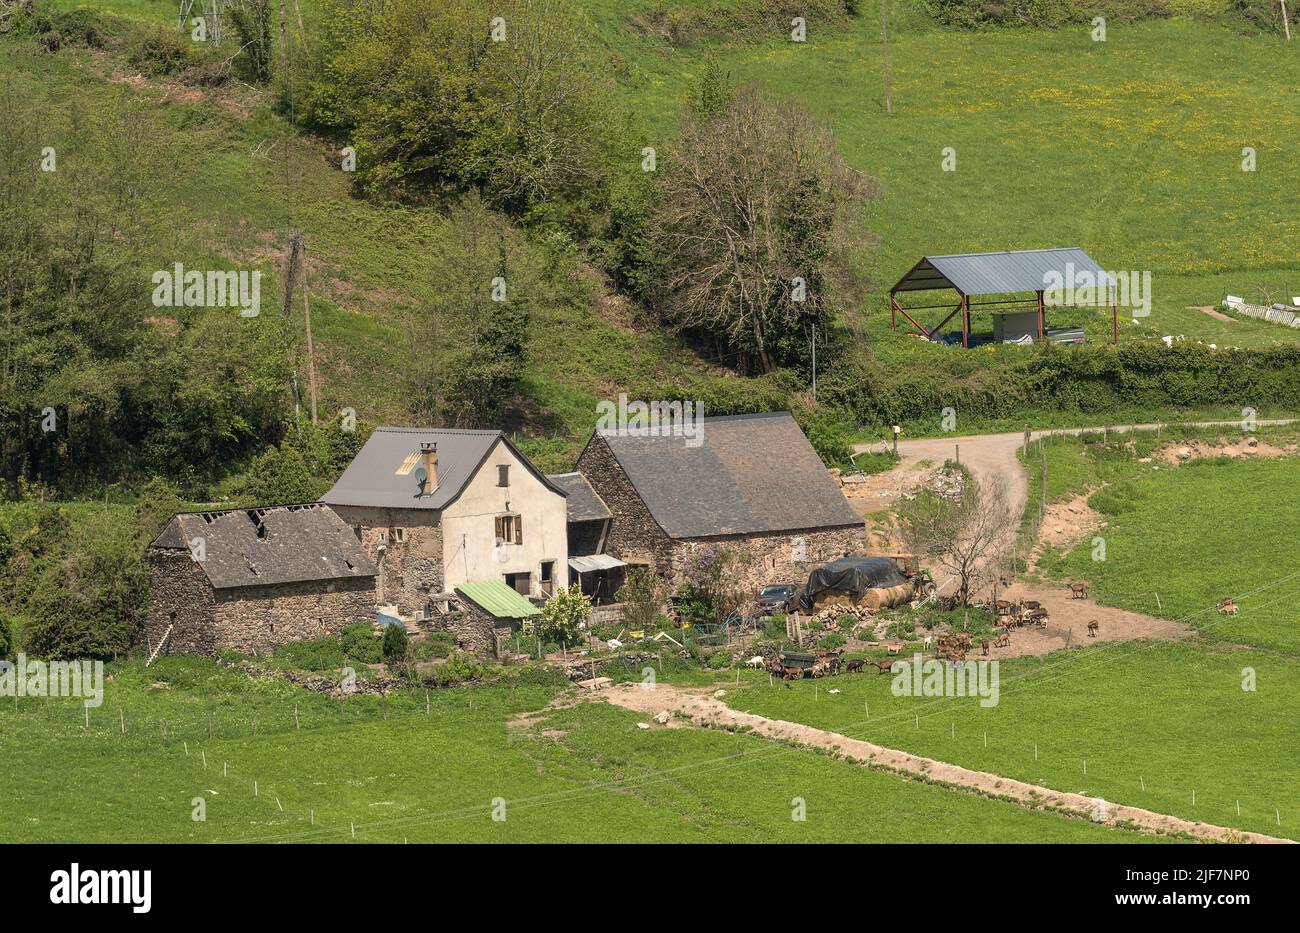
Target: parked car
[{"x": 775, "y": 598}]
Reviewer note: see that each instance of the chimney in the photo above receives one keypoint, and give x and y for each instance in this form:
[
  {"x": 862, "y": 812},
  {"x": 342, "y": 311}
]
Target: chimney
[{"x": 430, "y": 456}]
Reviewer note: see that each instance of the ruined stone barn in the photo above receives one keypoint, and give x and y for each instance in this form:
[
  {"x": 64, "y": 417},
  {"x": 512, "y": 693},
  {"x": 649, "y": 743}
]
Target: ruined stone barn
[
  {"x": 252, "y": 579},
  {"x": 438, "y": 507},
  {"x": 752, "y": 483}
]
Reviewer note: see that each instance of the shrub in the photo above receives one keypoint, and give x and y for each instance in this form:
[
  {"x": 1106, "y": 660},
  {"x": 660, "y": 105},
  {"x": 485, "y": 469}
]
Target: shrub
[
  {"x": 832, "y": 641},
  {"x": 360, "y": 644},
  {"x": 829, "y": 435},
  {"x": 458, "y": 668},
  {"x": 396, "y": 644},
  {"x": 280, "y": 477},
  {"x": 901, "y": 630},
  {"x": 563, "y": 615},
  {"x": 718, "y": 660},
  {"x": 156, "y": 50},
  {"x": 642, "y": 597},
  {"x": 436, "y": 645}
]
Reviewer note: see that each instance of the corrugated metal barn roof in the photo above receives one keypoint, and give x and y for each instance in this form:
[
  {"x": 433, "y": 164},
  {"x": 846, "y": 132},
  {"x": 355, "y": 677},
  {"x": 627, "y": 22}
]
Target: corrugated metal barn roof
[
  {"x": 999, "y": 273},
  {"x": 497, "y": 599}
]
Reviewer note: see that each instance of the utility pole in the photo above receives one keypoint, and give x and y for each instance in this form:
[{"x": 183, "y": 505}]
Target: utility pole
[
  {"x": 814, "y": 359},
  {"x": 297, "y": 266},
  {"x": 884, "y": 39}
]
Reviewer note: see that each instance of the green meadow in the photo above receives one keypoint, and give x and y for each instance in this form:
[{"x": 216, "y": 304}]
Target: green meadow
[
  {"x": 1179, "y": 540},
  {"x": 1139, "y": 723},
  {"x": 390, "y": 772},
  {"x": 1129, "y": 148}
]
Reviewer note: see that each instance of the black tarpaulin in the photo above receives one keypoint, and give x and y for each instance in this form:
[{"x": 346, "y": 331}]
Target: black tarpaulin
[{"x": 854, "y": 574}]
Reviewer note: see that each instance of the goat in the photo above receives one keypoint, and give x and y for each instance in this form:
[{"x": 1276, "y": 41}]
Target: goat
[
  {"x": 756, "y": 661},
  {"x": 1078, "y": 591},
  {"x": 855, "y": 666},
  {"x": 1092, "y": 628},
  {"x": 1003, "y": 640}
]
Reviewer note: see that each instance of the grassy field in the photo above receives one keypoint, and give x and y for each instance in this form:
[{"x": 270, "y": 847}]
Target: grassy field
[
  {"x": 1199, "y": 533},
  {"x": 1129, "y": 148},
  {"x": 395, "y": 773},
  {"x": 1144, "y": 724},
  {"x": 1179, "y": 539}
]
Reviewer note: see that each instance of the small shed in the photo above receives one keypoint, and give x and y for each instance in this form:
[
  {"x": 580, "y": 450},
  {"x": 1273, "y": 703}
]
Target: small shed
[
  {"x": 1014, "y": 283},
  {"x": 490, "y": 611}
]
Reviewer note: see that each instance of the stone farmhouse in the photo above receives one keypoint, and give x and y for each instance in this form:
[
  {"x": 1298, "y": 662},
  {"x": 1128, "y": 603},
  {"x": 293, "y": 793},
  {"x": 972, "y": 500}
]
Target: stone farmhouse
[
  {"x": 426, "y": 518},
  {"x": 754, "y": 484},
  {"x": 252, "y": 579},
  {"x": 435, "y": 508}
]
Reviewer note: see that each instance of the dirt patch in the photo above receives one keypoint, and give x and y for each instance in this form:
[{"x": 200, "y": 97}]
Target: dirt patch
[
  {"x": 705, "y": 710},
  {"x": 1250, "y": 448},
  {"x": 1069, "y": 523},
  {"x": 1213, "y": 312},
  {"x": 879, "y": 492},
  {"x": 1067, "y": 623}
]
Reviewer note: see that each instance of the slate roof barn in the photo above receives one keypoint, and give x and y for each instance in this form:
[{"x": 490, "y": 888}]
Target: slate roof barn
[
  {"x": 752, "y": 474},
  {"x": 253, "y": 579},
  {"x": 751, "y": 484}
]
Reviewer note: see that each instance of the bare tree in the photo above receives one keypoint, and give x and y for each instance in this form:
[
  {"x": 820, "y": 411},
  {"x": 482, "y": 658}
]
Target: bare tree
[
  {"x": 964, "y": 536},
  {"x": 751, "y": 226}
]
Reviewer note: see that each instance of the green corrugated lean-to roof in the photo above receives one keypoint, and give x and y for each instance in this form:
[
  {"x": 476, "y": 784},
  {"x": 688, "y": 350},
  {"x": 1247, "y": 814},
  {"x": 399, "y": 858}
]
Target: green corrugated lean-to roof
[{"x": 498, "y": 599}]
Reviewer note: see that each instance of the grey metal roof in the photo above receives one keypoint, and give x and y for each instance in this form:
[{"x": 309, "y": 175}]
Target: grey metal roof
[
  {"x": 593, "y": 562},
  {"x": 372, "y": 479},
  {"x": 264, "y": 546},
  {"x": 583, "y": 502},
  {"x": 998, "y": 273},
  {"x": 751, "y": 474}
]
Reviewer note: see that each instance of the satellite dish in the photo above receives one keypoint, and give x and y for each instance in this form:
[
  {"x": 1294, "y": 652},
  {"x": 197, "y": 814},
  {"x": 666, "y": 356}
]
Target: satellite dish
[{"x": 421, "y": 477}]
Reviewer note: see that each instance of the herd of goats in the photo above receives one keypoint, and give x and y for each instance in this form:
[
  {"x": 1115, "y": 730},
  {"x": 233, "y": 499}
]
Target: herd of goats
[{"x": 953, "y": 646}]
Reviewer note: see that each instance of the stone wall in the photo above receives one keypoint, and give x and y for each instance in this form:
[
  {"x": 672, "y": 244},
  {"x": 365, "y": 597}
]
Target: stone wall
[
  {"x": 477, "y": 631},
  {"x": 256, "y": 620},
  {"x": 634, "y": 536},
  {"x": 179, "y": 593},
  {"x": 783, "y": 557},
  {"x": 410, "y": 567}
]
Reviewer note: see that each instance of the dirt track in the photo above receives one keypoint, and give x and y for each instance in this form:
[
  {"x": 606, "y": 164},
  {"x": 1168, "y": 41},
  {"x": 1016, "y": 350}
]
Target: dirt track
[
  {"x": 989, "y": 457},
  {"x": 705, "y": 710}
]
